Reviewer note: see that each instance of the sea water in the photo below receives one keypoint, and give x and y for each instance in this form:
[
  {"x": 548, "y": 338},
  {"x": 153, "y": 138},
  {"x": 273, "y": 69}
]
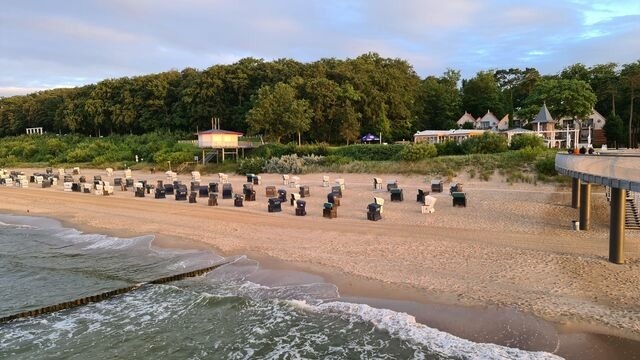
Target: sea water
[{"x": 227, "y": 314}]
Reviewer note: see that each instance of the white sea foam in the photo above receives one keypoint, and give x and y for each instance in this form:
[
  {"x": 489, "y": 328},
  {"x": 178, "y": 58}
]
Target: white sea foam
[
  {"x": 404, "y": 326},
  {"x": 16, "y": 226}
]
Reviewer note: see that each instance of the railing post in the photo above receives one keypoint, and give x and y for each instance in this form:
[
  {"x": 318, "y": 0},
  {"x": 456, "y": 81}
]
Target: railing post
[
  {"x": 585, "y": 206},
  {"x": 616, "y": 230},
  {"x": 575, "y": 192}
]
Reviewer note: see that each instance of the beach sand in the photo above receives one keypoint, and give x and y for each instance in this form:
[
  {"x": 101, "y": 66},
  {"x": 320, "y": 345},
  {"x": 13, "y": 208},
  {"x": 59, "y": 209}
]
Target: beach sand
[{"x": 507, "y": 260}]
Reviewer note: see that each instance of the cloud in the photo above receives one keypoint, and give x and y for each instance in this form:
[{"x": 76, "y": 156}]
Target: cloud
[{"x": 75, "y": 42}]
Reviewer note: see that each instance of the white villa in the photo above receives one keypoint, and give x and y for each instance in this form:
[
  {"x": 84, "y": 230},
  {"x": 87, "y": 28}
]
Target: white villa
[
  {"x": 487, "y": 122},
  {"x": 544, "y": 125}
]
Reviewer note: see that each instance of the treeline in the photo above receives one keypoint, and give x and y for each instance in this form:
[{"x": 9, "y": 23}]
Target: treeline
[{"x": 329, "y": 100}]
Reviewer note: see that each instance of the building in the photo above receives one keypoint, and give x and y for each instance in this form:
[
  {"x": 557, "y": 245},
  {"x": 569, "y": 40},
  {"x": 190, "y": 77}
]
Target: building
[
  {"x": 220, "y": 142},
  {"x": 488, "y": 122},
  {"x": 466, "y": 118},
  {"x": 545, "y": 125},
  {"x": 591, "y": 129},
  {"x": 440, "y": 136}
]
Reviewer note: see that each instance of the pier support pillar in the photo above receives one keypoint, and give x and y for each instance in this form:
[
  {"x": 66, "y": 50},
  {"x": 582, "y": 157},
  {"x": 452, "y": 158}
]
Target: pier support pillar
[
  {"x": 585, "y": 206},
  {"x": 616, "y": 230},
  {"x": 575, "y": 192}
]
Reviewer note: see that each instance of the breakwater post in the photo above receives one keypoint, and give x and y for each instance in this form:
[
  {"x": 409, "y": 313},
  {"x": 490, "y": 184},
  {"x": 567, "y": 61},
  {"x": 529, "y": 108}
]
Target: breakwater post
[{"x": 106, "y": 295}]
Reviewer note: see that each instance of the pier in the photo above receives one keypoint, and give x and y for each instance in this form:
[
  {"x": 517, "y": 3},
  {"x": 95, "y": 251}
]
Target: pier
[{"x": 619, "y": 171}]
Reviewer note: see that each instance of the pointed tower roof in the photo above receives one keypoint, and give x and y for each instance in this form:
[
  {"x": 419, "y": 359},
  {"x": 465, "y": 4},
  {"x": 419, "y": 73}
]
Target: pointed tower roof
[
  {"x": 466, "y": 118},
  {"x": 543, "y": 116},
  {"x": 503, "y": 124},
  {"x": 489, "y": 117}
]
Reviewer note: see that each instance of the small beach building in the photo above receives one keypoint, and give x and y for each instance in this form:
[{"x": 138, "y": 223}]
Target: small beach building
[{"x": 220, "y": 142}]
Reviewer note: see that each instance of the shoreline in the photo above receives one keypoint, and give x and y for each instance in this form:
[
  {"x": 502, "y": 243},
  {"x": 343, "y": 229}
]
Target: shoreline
[
  {"x": 392, "y": 294},
  {"x": 507, "y": 327}
]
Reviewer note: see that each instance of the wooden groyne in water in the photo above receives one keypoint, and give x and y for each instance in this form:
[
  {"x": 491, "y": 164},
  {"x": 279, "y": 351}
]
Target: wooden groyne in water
[{"x": 106, "y": 295}]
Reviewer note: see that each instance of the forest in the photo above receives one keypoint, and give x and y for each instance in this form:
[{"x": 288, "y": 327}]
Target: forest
[{"x": 330, "y": 101}]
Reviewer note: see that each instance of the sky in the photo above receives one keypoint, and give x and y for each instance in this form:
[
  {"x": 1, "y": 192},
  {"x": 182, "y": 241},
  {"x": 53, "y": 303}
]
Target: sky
[{"x": 47, "y": 44}]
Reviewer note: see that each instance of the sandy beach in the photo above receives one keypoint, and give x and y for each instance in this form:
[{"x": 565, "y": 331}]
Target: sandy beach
[{"x": 511, "y": 249}]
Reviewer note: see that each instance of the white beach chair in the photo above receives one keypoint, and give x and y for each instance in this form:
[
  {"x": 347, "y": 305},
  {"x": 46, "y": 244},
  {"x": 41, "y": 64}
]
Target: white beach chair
[
  {"x": 109, "y": 172},
  {"x": 377, "y": 183},
  {"x": 325, "y": 181},
  {"x": 429, "y": 205},
  {"x": 285, "y": 179},
  {"x": 171, "y": 176},
  {"x": 295, "y": 180},
  {"x": 223, "y": 178},
  {"x": 195, "y": 176},
  {"x": 127, "y": 174},
  {"x": 340, "y": 182}
]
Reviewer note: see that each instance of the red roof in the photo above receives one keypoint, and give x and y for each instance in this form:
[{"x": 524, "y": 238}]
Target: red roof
[{"x": 218, "y": 131}]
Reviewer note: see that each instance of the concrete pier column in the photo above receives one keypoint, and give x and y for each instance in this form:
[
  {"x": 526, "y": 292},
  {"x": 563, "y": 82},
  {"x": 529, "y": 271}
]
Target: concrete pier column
[
  {"x": 585, "y": 206},
  {"x": 616, "y": 230},
  {"x": 575, "y": 193}
]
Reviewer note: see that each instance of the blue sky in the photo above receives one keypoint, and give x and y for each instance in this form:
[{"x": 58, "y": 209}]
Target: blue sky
[{"x": 46, "y": 44}]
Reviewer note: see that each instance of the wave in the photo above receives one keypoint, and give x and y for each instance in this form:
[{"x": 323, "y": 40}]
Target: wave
[{"x": 405, "y": 327}]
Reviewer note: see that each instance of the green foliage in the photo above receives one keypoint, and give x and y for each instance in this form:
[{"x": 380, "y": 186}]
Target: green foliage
[
  {"x": 268, "y": 151},
  {"x": 564, "y": 98},
  {"x": 615, "y": 131},
  {"x": 336, "y": 160},
  {"x": 286, "y": 164},
  {"x": 439, "y": 102},
  {"x": 254, "y": 165},
  {"x": 481, "y": 93},
  {"x": 418, "y": 151},
  {"x": 487, "y": 143},
  {"x": 278, "y": 112},
  {"x": 74, "y": 149},
  {"x": 449, "y": 147},
  {"x": 370, "y": 152},
  {"x": 526, "y": 140},
  {"x": 546, "y": 166}
]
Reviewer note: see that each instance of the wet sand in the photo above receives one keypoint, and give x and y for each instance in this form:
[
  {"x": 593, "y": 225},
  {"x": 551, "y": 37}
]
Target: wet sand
[{"x": 488, "y": 272}]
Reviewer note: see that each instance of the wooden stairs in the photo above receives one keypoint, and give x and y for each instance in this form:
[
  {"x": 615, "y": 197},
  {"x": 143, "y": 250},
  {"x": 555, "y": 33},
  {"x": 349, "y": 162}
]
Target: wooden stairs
[{"x": 632, "y": 215}]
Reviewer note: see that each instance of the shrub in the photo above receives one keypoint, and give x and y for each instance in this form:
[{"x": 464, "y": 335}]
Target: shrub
[
  {"x": 177, "y": 156},
  {"x": 449, "y": 148},
  {"x": 526, "y": 141},
  {"x": 546, "y": 166},
  {"x": 372, "y": 152},
  {"x": 253, "y": 165},
  {"x": 268, "y": 151},
  {"x": 418, "y": 151},
  {"x": 312, "y": 160},
  {"x": 335, "y": 160},
  {"x": 311, "y": 149},
  {"x": 287, "y": 164},
  {"x": 488, "y": 143}
]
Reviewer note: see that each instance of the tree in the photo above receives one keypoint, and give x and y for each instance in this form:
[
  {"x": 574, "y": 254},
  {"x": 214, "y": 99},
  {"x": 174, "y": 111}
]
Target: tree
[
  {"x": 630, "y": 75},
  {"x": 604, "y": 81},
  {"x": 516, "y": 85},
  {"x": 614, "y": 130},
  {"x": 564, "y": 98},
  {"x": 576, "y": 72},
  {"x": 438, "y": 102},
  {"x": 279, "y": 113},
  {"x": 481, "y": 93}
]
